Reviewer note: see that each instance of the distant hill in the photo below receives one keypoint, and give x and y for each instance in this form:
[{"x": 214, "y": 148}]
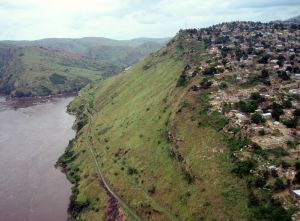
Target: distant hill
[
  {"x": 32, "y": 71},
  {"x": 294, "y": 20},
  {"x": 26, "y": 67},
  {"x": 125, "y": 51}
]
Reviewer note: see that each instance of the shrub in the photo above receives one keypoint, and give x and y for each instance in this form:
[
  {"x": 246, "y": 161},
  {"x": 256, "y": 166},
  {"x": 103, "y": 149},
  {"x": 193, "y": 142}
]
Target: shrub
[
  {"x": 247, "y": 107},
  {"x": 297, "y": 176},
  {"x": 205, "y": 83},
  {"x": 223, "y": 85},
  {"x": 284, "y": 76},
  {"x": 287, "y": 104},
  {"x": 257, "y": 118},
  {"x": 262, "y": 132},
  {"x": 285, "y": 165},
  {"x": 152, "y": 189},
  {"x": 257, "y": 97},
  {"x": 278, "y": 151},
  {"x": 204, "y": 102},
  {"x": 279, "y": 184},
  {"x": 216, "y": 120},
  {"x": 244, "y": 167},
  {"x": 237, "y": 143},
  {"x": 182, "y": 80},
  {"x": 296, "y": 113},
  {"x": 210, "y": 71},
  {"x": 260, "y": 182},
  {"x": 132, "y": 171},
  {"x": 57, "y": 78},
  {"x": 277, "y": 111},
  {"x": 291, "y": 123},
  {"x": 265, "y": 73},
  {"x": 189, "y": 178}
]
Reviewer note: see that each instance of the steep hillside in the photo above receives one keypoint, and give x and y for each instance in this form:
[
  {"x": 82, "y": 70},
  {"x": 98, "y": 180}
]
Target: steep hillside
[{"x": 138, "y": 133}]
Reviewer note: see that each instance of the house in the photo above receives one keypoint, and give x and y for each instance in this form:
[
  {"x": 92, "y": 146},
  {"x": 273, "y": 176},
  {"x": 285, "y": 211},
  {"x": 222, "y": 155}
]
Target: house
[
  {"x": 294, "y": 92},
  {"x": 295, "y": 194},
  {"x": 267, "y": 116}
]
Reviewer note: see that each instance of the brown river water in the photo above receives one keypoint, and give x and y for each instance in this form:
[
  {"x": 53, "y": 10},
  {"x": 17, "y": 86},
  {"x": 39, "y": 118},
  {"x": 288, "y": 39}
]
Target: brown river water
[{"x": 33, "y": 134}]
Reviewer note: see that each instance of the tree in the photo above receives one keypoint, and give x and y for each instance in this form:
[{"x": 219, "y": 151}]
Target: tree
[
  {"x": 277, "y": 111},
  {"x": 297, "y": 112},
  {"x": 279, "y": 184},
  {"x": 297, "y": 176},
  {"x": 257, "y": 97},
  {"x": 257, "y": 118},
  {"x": 287, "y": 104},
  {"x": 284, "y": 76},
  {"x": 247, "y": 107},
  {"x": 265, "y": 73},
  {"x": 291, "y": 123},
  {"x": 182, "y": 80},
  {"x": 205, "y": 83}
]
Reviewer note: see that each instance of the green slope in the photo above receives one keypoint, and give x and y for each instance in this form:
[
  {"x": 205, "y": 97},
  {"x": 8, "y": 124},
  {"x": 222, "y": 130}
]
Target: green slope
[
  {"x": 154, "y": 157},
  {"x": 26, "y": 67},
  {"x": 32, "y": 71}
]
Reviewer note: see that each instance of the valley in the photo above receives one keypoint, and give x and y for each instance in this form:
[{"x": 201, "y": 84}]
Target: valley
[
  {"x": 60, "y": 66},
  {"x": 170, "y": 150}
]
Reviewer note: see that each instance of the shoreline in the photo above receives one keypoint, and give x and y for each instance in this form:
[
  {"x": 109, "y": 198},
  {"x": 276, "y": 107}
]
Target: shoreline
[{"x": 23, "y": 102}]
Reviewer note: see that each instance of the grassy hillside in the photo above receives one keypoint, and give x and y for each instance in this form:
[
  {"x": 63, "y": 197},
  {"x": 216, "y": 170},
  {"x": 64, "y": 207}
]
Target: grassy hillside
[
  {"x": 52, "y": 66},
  {"x": 113, "y": 55},
  {"x": 144, "y": 132},
  {"x": 31, "y": 71}
]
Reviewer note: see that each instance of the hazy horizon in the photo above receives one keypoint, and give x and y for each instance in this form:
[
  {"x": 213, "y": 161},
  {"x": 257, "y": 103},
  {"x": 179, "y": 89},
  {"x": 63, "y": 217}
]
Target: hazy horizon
[{"x": 129, "y": 19}]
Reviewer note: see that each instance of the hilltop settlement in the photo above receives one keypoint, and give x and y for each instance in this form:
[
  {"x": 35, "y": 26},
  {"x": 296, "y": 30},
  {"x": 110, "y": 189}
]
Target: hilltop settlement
[{"x": 250, "y": 73}]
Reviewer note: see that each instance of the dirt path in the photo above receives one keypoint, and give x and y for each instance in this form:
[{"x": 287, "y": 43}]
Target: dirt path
[{"x": 113, "y": 213}]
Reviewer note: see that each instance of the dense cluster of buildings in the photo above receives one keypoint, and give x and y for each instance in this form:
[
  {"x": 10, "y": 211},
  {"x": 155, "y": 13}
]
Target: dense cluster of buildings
[{"x": 254, "y": 74}]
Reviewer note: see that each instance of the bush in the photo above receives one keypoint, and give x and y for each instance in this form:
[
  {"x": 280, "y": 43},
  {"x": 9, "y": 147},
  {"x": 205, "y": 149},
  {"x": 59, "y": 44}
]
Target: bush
[
  {"x": 189, "y": 178},
  {"x": 244, "y": 167},
  {"x": 216, "y": 120},
  {"x": 210, "y": 71},
  {"x": 287, "y": 104},
  {"x": 260, "y": 182},
  {"x": 257, "y": 97},
  {"x": 291, "y": 123},
  {"x": 257, "y": 118},
  {"x": 297, "y": 176},
  {"x": 277, "y": 111},
  {"x": 132, "y": 171},
  {"x": 278, "y": 151},
  {"x": 182, "y": 80},
  {"x": 265, "y": 73},
  {"x": 152, "y": 189},
  {"x": 296, "y": 113},
  {"x": 237, "y": 143},
  {"x": 57, "y": 79},
  {"x": 279, "y": 184},
  {"x": 205, "y": 83},
  {"x": 285, "y": 165},
  {"x": 223, "y": 85},
  {"x": 284, "y": 76},
  {"x": 247, "y": 107},
  {"x": 297, "y": 165},
  {"x": 204, "y": 102}
]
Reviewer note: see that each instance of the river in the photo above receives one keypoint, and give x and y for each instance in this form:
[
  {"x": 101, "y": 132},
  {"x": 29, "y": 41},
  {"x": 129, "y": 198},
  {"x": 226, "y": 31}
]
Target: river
[{"x": 33, "y": 134}]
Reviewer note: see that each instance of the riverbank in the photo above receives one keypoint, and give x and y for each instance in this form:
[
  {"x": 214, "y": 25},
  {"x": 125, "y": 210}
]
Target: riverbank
[{"x": 23, "y": 102}]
